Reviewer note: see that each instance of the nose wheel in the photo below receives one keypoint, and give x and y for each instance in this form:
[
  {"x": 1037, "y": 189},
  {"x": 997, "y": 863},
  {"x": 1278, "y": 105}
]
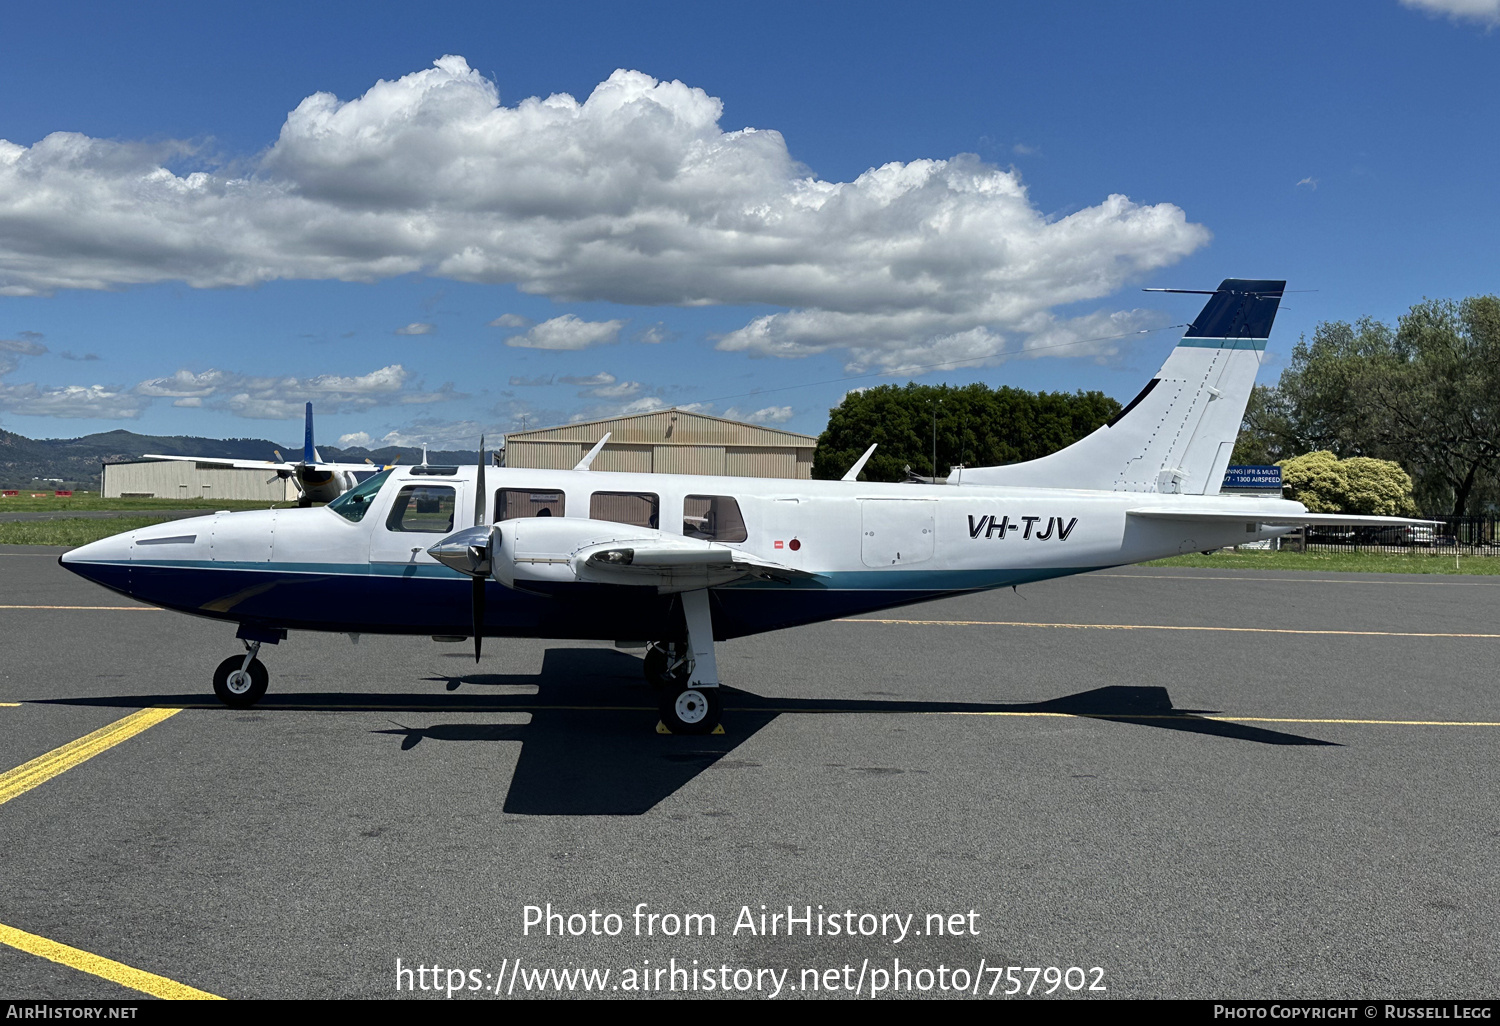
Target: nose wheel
[
  {"x": 691, "y": 710},
  {"x": 240, "y": 681}
]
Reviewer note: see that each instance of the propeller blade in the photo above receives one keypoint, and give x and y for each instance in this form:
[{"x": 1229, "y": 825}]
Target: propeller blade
[
  {"x": 478, "y": 604},
  {"x": 479, "y": 488}
]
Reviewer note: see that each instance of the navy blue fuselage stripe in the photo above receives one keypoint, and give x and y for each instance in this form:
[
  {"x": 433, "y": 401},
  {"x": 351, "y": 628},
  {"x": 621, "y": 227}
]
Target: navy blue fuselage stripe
[{"x": 422, "y": 604}]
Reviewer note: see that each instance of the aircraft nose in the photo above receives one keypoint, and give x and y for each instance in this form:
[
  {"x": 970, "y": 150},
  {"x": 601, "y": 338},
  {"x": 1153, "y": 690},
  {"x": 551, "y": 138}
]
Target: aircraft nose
[{"x": 106, "y": 561}]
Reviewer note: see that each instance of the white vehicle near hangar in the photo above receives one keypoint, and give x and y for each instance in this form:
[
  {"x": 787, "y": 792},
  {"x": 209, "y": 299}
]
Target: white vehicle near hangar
[{"x": 681, "y": 561}]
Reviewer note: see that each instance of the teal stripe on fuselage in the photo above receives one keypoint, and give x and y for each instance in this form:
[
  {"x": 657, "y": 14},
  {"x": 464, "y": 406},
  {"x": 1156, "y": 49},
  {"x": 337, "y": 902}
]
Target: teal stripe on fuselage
[{"x": 1258, "y": 344}]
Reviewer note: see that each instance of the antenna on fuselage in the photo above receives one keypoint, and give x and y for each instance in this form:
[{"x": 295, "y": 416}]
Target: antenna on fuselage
[
  {"x": 588, "y": 460},
  {"x": 859, "y": 464}
]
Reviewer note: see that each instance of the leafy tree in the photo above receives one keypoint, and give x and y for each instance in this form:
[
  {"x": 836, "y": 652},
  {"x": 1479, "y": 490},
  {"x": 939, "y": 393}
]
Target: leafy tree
[
  {"x": 1266, "y": 435},
  {"x": 1425, "y": 394},
  {"x": 1326, "y": 484},
  {"x": 976, "y": 425}
]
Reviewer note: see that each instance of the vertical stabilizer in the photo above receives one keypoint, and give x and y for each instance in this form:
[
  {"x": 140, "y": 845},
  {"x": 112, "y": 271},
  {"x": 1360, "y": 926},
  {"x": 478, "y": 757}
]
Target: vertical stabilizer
[
  {"x": 309, "y": 454},
  {"x": 1176, "y": 435}
]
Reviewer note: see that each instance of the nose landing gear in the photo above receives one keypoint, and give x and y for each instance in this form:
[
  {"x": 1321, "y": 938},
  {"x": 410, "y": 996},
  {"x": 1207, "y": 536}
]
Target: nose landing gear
[
  {"x": 687, "y": 676},
  {"x": 240, "y": 681}
]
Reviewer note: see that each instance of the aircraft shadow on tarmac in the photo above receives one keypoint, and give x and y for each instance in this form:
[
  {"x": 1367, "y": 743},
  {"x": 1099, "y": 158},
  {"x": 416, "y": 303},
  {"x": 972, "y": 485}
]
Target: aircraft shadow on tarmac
[{"x": 591, "y": 747}]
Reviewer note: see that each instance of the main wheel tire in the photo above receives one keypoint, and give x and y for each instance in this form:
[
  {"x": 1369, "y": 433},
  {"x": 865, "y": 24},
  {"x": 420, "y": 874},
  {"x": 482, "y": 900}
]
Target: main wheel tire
[
  {"x": 655, "y": 668},
  {"x": 691, "y": 710},
  {"x": 240, "y": 689}
]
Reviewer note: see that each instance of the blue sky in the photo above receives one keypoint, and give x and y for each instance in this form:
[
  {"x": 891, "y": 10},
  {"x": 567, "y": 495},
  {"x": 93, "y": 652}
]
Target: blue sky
[{"x": 191, "y": 257}]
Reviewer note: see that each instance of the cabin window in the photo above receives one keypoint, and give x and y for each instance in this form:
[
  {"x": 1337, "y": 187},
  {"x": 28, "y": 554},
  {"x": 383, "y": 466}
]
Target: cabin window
[
  {"x": 713, "y": 518},
  {"x": 424, "y": 509},
  {"x": 511, "y": 503},
  {"x": 354, "y": 503},
  {"x": 639, "y": 509}
]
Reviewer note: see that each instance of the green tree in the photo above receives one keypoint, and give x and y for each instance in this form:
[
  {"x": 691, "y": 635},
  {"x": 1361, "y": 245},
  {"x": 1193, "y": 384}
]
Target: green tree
[
  {"x": 1425, "y": 394},
  {"x": 1326, "y": 484},
  {"x": 1266, "y": 435},
  {"x": 976, "y": 425}
]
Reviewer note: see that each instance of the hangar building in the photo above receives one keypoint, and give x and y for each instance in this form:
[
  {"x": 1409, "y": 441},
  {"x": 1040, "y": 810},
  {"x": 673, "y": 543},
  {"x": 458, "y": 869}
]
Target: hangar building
[
  {"x": 180, "y": 479},
  {"x": 667, "y": 442}
]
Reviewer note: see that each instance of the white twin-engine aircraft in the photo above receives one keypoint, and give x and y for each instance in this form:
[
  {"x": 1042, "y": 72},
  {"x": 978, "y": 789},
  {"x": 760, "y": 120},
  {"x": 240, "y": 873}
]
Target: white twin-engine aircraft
[
  {"x": 680, "y": 561},
  {"x": 316, "y": 479}
]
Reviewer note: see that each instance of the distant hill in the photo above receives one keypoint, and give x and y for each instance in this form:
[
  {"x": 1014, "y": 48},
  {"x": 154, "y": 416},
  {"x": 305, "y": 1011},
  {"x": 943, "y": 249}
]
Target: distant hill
[{"x": 29, "y": 462}]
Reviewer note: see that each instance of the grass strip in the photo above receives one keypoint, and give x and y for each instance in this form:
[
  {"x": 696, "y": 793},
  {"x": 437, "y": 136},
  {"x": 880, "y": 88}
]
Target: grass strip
[
  {"x": 89, "y": 502},
  {"x": 69, "y": 530},
  {"x": 1339, "y": 562}
]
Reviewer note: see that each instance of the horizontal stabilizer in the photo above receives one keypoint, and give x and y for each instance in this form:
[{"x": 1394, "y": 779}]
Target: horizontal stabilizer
[{"x": 1278, "y": 519}]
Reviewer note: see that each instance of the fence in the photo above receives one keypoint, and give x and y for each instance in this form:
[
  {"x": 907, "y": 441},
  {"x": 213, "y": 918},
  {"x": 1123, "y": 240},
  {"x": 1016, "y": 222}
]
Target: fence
[{"x": 1463, "y": 536}]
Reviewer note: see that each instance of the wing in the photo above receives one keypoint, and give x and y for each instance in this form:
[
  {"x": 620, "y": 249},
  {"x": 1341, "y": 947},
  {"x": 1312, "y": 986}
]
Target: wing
[
  {"x": 215, "y": 461},
  {"x": 1277, "y": 519}
]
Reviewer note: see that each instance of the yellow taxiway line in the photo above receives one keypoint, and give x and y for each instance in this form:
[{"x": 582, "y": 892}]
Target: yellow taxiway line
[
  {"x": 39, "y": 770},
  {"x": 106, "y": 968},
  {"x": 1162, "y": 627},
  {"x": 43, "y": 768}
]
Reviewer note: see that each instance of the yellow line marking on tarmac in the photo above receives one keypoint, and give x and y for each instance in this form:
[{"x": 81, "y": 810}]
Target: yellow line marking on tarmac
[
  {"x": 135, "y": 609},
  {"x": 1161, "y": 627},
  {"x": 10, "y": 705},
  {"x": 273, "y": 707},
  {"x": 43, "y": 768},
  {"x": 107, "y": 968}
]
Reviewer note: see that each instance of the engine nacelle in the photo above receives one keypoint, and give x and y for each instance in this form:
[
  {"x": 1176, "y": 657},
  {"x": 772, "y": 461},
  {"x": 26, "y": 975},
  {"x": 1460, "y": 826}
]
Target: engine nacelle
[
  {"x": 567, "y": 550},
  {"x": 542, "y": 549}
]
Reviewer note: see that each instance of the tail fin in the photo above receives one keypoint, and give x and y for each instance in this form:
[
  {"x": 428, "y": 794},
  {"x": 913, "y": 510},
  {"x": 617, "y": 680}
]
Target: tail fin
[
  {"x": 1177, "y": 434},
  {"x": 309, "y": 454}
]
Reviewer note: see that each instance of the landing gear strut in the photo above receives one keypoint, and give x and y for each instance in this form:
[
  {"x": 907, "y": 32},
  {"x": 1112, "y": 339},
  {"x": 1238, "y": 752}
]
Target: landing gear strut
[
  {"x": 666, "y": 665},
  {"x": 240, "y": 681},
  {"x": 690, "y": 700}
]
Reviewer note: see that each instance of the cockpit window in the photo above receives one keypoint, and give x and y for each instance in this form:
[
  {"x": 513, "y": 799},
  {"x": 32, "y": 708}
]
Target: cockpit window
[
  {"x": 427, "y": 509},
  {"x": 354, "y": 503}
]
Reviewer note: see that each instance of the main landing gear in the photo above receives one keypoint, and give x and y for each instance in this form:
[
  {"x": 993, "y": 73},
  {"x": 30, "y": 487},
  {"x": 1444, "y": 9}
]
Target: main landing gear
[
  {"x": 240, "y": 681},
  {"x": 686, "y": 676}
]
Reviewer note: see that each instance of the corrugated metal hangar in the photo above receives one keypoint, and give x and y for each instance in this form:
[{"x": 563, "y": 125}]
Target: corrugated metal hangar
[
  {"x": 667, "y": 442},
  {"x": 179, "y": 479}
]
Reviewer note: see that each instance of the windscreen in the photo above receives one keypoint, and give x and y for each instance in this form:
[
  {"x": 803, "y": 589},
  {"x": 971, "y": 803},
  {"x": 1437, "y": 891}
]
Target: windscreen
[{"x": 353, "y": 504}]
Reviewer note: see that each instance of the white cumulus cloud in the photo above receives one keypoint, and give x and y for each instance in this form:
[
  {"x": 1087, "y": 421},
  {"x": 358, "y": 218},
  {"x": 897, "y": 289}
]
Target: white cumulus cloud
[
  {"x": 417, "y": 328},
  {"x": 1485, "y": 12},
  {"x": 511, "y": 320},
  {"x": 360, "y": 438},
  {"x": 282, "y": 398},
  {"x": 766, "y": 415},
  {"x": 568, "y": 332},
  {"x": 633, "y": 195}
]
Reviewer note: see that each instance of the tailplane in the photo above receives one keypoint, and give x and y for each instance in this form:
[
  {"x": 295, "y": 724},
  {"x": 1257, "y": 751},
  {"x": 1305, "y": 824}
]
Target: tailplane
[{"x": 1176, "y": 435}]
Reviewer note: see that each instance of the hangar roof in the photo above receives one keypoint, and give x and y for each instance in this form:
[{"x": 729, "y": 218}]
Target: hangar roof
[{"x": 670, "y": 426}]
